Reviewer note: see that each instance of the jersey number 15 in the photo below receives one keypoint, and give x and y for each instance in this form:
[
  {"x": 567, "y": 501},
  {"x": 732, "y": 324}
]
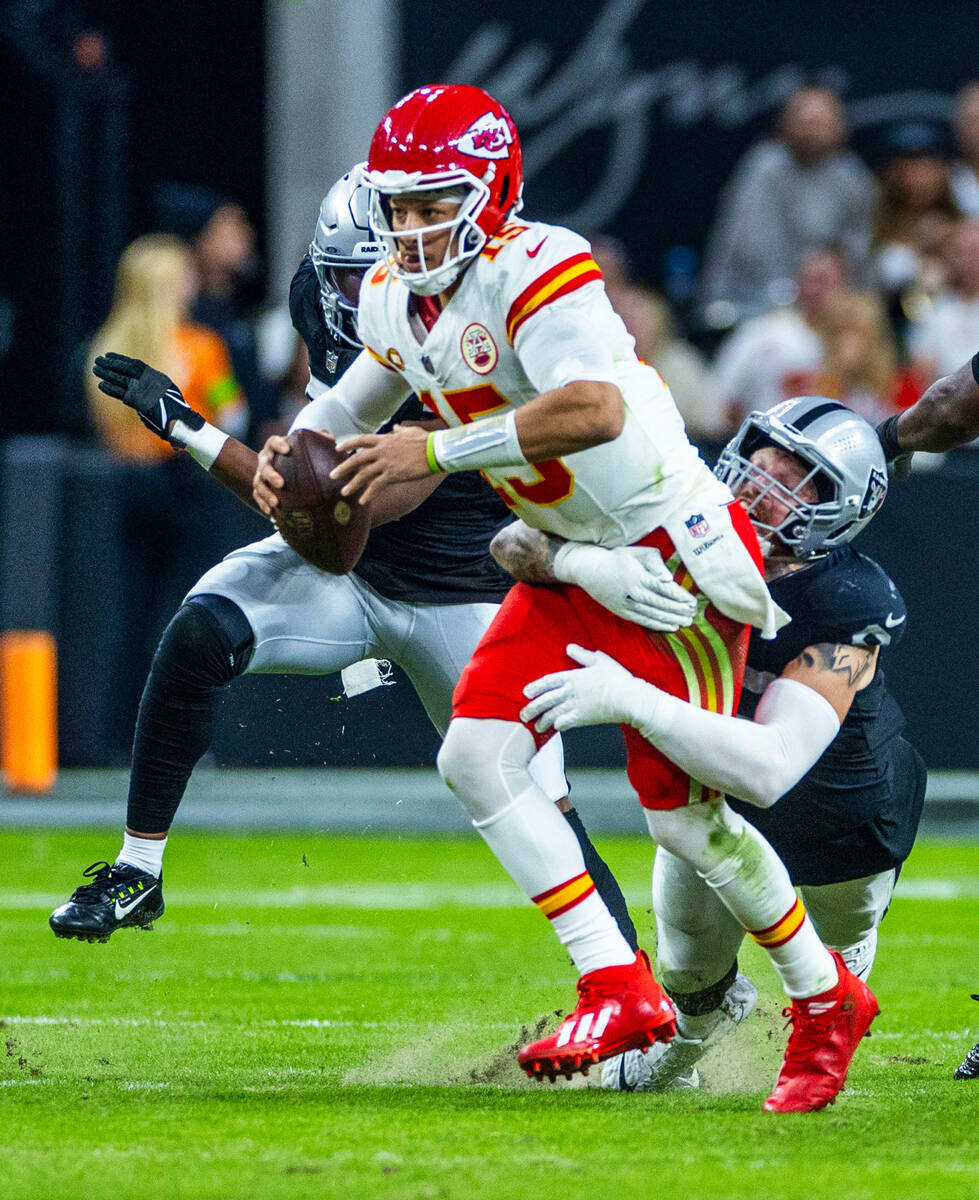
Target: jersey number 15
[{"x": 554, "y": 483}]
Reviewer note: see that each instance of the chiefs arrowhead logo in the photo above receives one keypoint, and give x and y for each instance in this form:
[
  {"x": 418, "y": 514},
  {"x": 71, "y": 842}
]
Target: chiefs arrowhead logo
[{"x": 489, "y": 137}]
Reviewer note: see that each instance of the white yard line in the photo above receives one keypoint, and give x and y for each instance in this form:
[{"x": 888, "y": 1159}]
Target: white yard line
[
  {"x": 296, "y": 1023},
  {"x": 422, "y": 896}
]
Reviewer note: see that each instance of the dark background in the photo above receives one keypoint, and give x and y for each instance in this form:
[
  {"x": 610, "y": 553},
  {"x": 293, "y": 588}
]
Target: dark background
[{"x": 185, "y": 82}]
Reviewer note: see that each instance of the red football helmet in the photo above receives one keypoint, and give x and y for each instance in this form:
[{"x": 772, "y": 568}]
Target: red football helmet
[{"x": 445, "y": 138}]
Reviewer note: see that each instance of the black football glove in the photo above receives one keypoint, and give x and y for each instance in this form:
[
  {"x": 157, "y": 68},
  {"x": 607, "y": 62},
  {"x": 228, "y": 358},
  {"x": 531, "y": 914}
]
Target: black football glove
[
  {"x": 152, "y": 394},
  {"x": 898, "y": 460}
]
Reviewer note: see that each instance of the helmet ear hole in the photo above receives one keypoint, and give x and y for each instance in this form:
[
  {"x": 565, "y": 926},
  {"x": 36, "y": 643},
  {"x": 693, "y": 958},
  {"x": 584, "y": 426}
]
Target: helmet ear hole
[{"x": 504, "y": 192}]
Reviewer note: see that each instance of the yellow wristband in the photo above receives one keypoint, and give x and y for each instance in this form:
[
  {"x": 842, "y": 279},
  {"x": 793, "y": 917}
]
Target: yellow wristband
[{"x": 433, "y": 462}]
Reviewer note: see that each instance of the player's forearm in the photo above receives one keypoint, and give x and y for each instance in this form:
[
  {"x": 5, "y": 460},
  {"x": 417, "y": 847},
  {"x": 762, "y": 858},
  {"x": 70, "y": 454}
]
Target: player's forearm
[
  {"x": 526, "y": 554},
  {"x": 575, "y": 417},
  {"x": 759, "y": 760},
  {"x": 365, "y": 396},
  {"x": 396, "y": 500},
  {"x": 235, "y": 468},
  {"x": 947, "y": 414}
]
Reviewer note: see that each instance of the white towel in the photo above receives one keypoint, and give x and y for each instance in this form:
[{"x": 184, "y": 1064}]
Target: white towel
[{"x": 711, "y": 550}]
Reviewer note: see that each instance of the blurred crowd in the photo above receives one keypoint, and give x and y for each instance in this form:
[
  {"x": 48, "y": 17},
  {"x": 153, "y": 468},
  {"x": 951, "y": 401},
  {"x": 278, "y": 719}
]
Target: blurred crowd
[{"x": 824, "y": 273}]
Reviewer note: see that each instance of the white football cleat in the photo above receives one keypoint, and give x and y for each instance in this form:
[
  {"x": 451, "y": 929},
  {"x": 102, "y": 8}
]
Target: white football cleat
[{"x": 671, "y": 1065}]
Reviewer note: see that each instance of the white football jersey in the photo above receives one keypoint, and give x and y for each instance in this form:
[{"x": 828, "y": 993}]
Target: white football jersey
[{"x": 477, "y": 360}]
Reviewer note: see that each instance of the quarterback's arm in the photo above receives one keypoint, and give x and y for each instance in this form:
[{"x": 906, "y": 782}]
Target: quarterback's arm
[
  {"x": 947, "y": 415},
  {"x": 579, "y": 404},
  {"x": 759, "y": 761}
]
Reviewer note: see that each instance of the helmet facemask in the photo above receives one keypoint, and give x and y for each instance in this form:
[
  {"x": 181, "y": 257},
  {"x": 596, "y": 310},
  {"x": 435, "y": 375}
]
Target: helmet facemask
[
  {"x": 339, "y": 292},
  {"x": 466, "y": 238},
  {"x": 842, "y": 457},
  {"x": 804, "y": 527},
  {"x": 341, "y": 251}
]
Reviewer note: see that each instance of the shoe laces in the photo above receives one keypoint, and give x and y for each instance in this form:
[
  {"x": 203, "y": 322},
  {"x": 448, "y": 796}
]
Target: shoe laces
[
  {"x": 810, "y": 1030},
  {"x": 591, "y": 991},
  {"x": 100, "y": 874}
]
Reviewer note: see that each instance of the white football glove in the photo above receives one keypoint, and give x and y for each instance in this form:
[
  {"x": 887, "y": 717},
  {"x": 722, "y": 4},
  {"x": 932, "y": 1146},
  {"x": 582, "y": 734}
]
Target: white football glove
[
  {"x": 630, "y": 581},
  {"x": 604, "y": 693}
]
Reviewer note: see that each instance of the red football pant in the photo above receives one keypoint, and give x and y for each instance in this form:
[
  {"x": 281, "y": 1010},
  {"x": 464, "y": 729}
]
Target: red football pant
[{"x": 703, "y": 664}]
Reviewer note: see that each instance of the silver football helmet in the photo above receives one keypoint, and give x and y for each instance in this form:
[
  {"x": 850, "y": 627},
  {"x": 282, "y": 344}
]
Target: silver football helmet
[
  {"x": 846, "y": 462},
  {"x": 342, "y": 249}
]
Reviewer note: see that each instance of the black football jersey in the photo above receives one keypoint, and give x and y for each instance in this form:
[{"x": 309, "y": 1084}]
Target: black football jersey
[
  {"x": 856, "y": 811},
  {"x": 439, "y": 552}
]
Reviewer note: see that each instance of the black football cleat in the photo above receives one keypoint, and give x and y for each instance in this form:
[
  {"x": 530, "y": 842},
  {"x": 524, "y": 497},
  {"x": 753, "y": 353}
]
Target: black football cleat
[
  {"x": 119, "y": 897},
  {"x": 969, "y": 1067}
]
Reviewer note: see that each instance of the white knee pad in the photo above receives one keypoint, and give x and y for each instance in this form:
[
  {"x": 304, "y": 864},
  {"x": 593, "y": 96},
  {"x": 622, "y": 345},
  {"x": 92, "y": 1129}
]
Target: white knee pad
[
  {"x": 708, "y": 837},
  {"x": 547, "y": 769},
  {"x": 484, "y": 762}
]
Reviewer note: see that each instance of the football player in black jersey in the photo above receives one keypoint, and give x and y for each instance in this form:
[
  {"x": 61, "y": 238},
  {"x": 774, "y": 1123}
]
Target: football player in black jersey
[
  {"x": 815, "y": 759},
  {"x": 421, "y": 595}
]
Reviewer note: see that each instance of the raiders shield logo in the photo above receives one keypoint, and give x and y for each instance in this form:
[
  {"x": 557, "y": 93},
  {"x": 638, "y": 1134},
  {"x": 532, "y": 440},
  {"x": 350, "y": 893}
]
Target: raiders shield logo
[{"x": 873, "y": 497}]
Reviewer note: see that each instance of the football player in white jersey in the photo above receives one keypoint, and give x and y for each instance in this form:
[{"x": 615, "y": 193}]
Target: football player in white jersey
[
  {"x": 422, "y": 594},
  {"x": 503, "y": 328}
]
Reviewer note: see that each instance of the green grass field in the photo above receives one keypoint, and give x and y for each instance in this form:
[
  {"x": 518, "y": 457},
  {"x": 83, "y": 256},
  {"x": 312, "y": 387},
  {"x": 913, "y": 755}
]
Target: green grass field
[{"x": 319, "y": 1017}]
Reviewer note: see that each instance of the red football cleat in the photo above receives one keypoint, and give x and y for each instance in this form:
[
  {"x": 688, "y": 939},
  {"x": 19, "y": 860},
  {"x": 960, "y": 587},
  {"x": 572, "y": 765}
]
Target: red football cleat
[
  {"x": 619, "y": 1009},
  {"x": 826, "y": 1030}
]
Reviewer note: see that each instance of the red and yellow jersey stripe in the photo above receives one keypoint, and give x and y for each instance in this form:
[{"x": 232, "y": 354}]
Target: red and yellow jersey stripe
[{"x": 566, "y": 277}]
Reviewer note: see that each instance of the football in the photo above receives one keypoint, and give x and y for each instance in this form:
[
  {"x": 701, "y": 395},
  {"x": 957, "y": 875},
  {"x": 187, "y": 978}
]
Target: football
[{"x": 327, "y": 529}]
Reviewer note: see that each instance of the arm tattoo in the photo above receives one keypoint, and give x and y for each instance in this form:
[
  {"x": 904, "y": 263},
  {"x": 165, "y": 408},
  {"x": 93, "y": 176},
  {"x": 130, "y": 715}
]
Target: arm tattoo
[
  {"x": 526, "y": 554},
  {"x": 852, "y": 662}
]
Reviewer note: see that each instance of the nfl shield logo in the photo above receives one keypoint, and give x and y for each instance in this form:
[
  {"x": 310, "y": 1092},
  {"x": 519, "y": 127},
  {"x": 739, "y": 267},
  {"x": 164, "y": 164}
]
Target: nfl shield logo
[{"x": 697, "y": 525}]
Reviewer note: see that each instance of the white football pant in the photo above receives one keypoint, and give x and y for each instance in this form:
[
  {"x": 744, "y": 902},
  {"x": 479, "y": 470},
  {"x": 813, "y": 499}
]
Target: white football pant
[{"x": 308, "y": 622}]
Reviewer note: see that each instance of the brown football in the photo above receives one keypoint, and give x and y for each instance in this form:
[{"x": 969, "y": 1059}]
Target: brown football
[{"x": 327, "y": 529}]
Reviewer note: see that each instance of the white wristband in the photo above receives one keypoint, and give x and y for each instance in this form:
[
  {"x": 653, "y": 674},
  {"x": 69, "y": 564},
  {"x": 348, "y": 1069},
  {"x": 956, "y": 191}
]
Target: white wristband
[
  {"x": 491, "y": 442},
  {"x": 203, "y": 445}
]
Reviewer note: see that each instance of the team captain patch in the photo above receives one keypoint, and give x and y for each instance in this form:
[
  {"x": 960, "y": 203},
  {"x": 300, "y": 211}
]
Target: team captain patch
[{"x": 478, "y": 348}]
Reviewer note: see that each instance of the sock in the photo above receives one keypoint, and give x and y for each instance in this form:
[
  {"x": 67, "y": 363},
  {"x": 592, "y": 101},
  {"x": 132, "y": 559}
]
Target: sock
[
  {"x": 605, "y": 882},
  {"x": 145, "y": 853},
  {"x": 695, "y": 1029},
  {"x": 699, "y": 1013},
  {"x": 203, "y": 648},
  {"x": 537, "y": 847},
  {"x": 755, "y": 886}
]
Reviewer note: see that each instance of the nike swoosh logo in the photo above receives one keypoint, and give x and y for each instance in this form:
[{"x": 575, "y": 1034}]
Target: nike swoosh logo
[
  {"x": 121, "y": 912},
  {"x": 890, "y": 621},
  {"x": 536, "y": 250}
]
